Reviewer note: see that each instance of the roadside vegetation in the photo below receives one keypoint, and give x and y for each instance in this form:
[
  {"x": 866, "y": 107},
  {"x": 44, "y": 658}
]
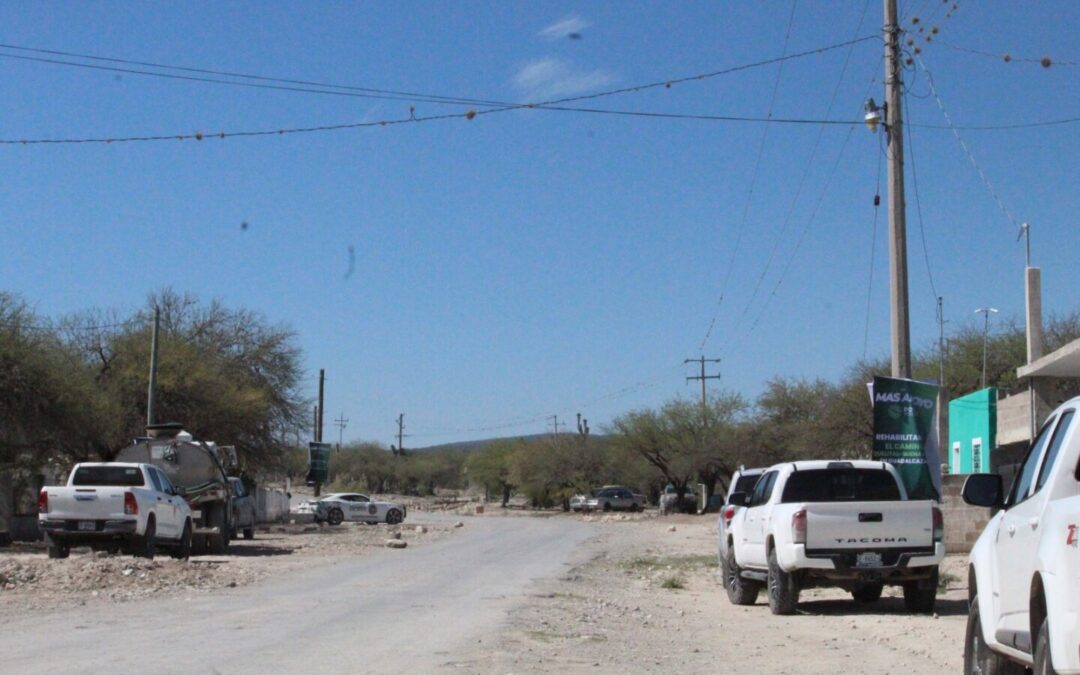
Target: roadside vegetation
[{"x": 74, "y": 389}]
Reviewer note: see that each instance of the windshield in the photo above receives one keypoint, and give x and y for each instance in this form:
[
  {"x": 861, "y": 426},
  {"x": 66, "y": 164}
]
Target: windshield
[
  {"x": 124, "y": 476},
  {"x": 838, "y": 485}
]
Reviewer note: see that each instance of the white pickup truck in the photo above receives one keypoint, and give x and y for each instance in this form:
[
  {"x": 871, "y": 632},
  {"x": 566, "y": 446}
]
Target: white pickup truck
[
  {"x": 114, "y": 506},
  {"x": 1024, "y": 570},
  {"x": 833, "y": 523}
]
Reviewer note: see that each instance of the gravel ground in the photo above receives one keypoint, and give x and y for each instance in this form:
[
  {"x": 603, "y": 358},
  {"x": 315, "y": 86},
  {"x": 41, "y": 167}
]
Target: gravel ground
[{"x": 29, "y": 580}]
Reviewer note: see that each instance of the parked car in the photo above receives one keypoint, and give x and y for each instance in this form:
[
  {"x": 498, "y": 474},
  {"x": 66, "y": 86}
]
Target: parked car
[
  {"x": 340, "y": 507},
  {"x": 833, "y": 523},
  {"x": 114, "y": 506},
  {"x": 742, "y": 481},
  {"x": 614, "y": 498},
  {"x": 243, "y": 509},
  {"x": 1024, "y": 569}
]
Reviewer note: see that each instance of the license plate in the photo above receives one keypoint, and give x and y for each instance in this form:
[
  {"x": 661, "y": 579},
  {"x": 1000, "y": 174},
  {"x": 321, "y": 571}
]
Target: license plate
[
  {"x": 868, "y": 560},
  {"x": 87, "y": 525}
]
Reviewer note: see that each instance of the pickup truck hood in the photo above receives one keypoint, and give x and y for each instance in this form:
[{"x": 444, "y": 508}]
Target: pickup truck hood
[{"x": 877, "y": 525}]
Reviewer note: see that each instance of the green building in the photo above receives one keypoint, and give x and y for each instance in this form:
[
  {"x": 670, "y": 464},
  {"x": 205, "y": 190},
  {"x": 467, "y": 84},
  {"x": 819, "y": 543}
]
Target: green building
[{"x": 972, "y": 431}]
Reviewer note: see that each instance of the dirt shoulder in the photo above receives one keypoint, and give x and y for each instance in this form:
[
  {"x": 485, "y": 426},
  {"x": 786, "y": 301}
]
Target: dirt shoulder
[
  {"x": 29, "y": 580},
  {"x": 651, "y": 600}
]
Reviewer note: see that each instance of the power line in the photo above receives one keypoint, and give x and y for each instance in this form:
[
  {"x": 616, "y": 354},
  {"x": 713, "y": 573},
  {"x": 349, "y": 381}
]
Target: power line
[
  {"x": 918, "y": 205},
  {"x": 470, "y": 114},
  {"x": 1007, "y": 57},
  {"x": 799, "y": 188},
  {"x": 963, "y": 145},
  {"x": 753, "y": 183}
]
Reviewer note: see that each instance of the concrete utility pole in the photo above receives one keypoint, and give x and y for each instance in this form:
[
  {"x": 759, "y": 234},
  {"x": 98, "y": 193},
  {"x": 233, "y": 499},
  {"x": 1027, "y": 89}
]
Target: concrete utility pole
[
  {"x": 400, "y": 433},
  {"x": 898, "y": 273},
  {"x": 341, "y": 423},
  {"x": 319, "y": 410},
  {"x": 702, "y": 360},
  {"x": 152, "y": 389}
]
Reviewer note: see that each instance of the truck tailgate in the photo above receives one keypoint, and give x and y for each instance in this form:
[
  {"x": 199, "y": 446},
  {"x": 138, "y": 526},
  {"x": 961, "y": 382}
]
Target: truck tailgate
[
  {"x": 869, "y": 525},
  {"x": 85, "y": 503}
]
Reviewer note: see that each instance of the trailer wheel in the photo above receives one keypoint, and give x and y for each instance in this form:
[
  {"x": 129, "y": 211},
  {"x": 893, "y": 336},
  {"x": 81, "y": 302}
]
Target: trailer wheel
[
  {"x": 219, "y": 543},
  {"x": 249, "y": 533}
]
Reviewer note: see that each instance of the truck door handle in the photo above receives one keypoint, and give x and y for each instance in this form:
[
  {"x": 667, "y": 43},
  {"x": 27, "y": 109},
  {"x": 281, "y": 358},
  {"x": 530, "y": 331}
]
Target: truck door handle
[
  {"x": 1011, "y": 529},
  {"x": 1034, "y": 522}
]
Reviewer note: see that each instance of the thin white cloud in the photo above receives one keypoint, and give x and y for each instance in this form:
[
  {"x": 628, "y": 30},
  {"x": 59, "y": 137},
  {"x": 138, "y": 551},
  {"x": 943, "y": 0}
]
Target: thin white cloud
[
  {"x": 555, "y": 78},
  {"x": 571, "y": 25}
]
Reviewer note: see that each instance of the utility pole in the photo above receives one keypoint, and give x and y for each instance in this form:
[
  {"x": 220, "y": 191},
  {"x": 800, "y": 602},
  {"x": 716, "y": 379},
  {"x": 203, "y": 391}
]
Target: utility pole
[
  {"x": 898, "y": 272},
  {"x": 400, "y": 434},
  {"x": 319, "y": 410},
  {"x": 554, "y": 426},
  {"x": 986, "y": 312},
  {"x": 341, "y": 423},
  {"x": 942, "y": 409},
  {"x": 702, "y": 361},
  {"x": 152, "y": 389}
]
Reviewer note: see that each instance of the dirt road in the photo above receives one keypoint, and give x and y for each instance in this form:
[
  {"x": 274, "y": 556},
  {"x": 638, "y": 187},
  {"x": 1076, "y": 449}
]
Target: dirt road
[{"x": 500, "y": 595}]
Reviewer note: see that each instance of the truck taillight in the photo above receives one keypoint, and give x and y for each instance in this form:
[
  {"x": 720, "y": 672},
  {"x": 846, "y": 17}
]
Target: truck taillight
[
  {"x": 939, "y": 525},
  {"x": 798, "y": 527},
  {"x": 43, "y": 502},
  {"x": 131, "y": 507},
  {"x": 729, "y": 513}
]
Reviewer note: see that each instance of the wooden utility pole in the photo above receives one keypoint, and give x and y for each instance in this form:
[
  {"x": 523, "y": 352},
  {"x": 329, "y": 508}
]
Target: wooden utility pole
[
  {"x": 400, "y": 434},
  {"x": 151, "y": 393},
  {"x": 898, "y": 272},
  {"x": 702, "y": 361}
]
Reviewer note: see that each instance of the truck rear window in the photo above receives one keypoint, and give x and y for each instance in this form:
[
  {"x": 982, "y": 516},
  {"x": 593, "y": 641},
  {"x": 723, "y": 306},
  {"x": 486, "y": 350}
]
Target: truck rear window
[
  {"x": 746, "y": 483},
  {"x": 840, "y": 485},
  {"x": 124, "y": 476}
]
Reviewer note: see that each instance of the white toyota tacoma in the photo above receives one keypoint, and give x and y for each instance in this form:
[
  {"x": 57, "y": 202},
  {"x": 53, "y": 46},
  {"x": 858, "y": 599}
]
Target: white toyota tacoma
[
  {"x": 114, "y": 506},
  {"x": 1024, "y": 570},
  {"x": 833, "y": 523}
]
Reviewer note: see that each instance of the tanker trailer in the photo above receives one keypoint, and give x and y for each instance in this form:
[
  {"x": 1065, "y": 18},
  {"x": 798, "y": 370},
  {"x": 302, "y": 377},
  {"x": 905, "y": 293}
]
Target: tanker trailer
[{"x": 199, "y": 470}]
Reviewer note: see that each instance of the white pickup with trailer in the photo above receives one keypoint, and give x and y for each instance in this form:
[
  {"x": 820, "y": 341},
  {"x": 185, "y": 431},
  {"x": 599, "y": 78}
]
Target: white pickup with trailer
[
  {"x": 1024, "y": 569},
  {"x": 833, "y": 523},
  {"x": 113, "y": 507}
]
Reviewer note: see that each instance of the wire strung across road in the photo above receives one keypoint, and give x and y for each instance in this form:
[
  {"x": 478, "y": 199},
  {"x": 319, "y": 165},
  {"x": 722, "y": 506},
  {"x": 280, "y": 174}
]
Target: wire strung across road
[{"x": 412, "y": 118}]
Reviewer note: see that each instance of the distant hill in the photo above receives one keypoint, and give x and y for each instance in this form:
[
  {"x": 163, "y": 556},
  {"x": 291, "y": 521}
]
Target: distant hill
[{"x": 473, "y": 446}]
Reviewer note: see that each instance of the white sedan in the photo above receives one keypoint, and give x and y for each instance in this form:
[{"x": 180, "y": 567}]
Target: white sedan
[{"x": 339, "y": 507}]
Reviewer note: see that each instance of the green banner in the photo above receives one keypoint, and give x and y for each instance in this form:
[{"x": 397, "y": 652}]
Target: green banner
[
  {"x": 318, "y": 463},
  {"x": 905, "y": 433}
]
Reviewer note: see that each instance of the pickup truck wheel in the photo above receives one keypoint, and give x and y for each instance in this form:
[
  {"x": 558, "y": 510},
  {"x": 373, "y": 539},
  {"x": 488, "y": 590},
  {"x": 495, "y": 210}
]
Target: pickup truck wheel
[
  {"x": 920, "y": 596},
  {"x": 249, "y": 533},
  {"x": 146, "y": 545},
  {"x": 783, "y": 588},
  {"x": 335, "y": 516},
  {"x": 183, "y": 548},
  {"x": 1043, "y": 663},
  {"x": 393, "y": 517},
  {"x": 739, "y": 591},
  {"x": 58, "y": 549},
  {"x": 868, "y": 593},
  {"x": 978, "y": 658}
]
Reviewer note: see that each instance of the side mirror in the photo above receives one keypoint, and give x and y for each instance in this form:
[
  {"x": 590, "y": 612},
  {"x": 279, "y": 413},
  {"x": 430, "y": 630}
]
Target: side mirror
[
  {"x": 739, "y": 499},
  {"x": 983, "y": 489},
  {"x": 179, "y": 491}
]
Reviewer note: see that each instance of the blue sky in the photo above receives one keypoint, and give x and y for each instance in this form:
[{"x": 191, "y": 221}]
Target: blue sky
[{"x": 529, "y": 263}]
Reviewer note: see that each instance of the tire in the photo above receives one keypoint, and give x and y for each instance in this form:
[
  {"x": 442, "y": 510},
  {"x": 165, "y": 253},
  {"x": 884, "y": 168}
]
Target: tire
[
  {"x": 393, "y": 517},
  {"x": 146, "y": 545},
  {"x": 920, "y": 596},
  {"x": 58, "y": 550},
  {"x": 1043, "y": 663},
  {"x": 249, "y": 533},
  {"x": 218, "y": 543},
  {"x": 783, "y": 588},
  {"x": 607, "y": 506},
  {"x": 868, "y": 593},
  {"x": 335, "y": 516},
  {"x": 183, "y": 548},
  {"x": 634, "y": 508},
  {"x": 739, "y": 591},
  {"x": 978, "y": 657}
]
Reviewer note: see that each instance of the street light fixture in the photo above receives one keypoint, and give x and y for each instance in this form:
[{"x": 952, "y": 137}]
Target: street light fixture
[
  {"x": 985, "y": 311},
  {"x": 873, "y": 115}
]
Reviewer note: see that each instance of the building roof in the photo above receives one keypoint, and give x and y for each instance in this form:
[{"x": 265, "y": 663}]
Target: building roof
[{"x": 1064, "y": 362}]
